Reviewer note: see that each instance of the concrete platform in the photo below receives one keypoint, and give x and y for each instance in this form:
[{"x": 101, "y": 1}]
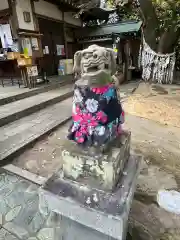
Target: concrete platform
[
  {"x": 18, "y": 109},
  {"x": 91, "y": 213},
  {"x": 16, "y": 136}
]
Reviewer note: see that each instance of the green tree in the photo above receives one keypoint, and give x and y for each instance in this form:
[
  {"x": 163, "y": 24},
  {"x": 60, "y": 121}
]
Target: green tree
[{"x": 161, "y": 21}]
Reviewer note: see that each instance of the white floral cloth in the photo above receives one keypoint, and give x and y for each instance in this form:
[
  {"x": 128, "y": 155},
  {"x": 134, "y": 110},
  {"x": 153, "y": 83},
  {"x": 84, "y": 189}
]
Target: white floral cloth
[{"x": 91, "y": 105}]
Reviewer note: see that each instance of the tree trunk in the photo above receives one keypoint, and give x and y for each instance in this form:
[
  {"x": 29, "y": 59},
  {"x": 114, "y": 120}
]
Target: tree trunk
[
  {"x": 168, "y": 40},
  {"x": 150, "y": 22}
]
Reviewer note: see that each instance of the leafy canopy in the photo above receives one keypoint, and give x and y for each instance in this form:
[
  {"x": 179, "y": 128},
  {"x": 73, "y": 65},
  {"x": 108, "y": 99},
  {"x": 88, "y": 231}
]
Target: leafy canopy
[{"x": 168, "y": 13}]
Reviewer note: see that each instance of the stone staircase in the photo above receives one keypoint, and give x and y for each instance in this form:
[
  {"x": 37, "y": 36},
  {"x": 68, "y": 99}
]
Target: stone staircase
[
  {"x": 30, "y": 115},
  {"x": 9, "y": 97}
]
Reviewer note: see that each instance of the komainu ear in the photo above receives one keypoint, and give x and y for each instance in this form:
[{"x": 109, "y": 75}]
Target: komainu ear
[
  {"x": 113, "y": 60},
  {"x": 77, "y": 62}
]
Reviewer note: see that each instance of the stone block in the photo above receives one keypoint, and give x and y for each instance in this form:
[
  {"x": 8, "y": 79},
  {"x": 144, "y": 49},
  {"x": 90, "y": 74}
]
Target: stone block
[
  {"x": 91, "y": 213},
  {"x": 98, "y": 169}
]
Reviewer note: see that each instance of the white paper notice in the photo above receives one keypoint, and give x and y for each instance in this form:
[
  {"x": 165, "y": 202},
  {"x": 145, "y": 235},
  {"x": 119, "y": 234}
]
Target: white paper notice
[
  {"x": 26, "y": 44},
  {"x": 60, "y": 50},
  {"x": 35, "y": 45},
  {"x": 46, "y": 49}
]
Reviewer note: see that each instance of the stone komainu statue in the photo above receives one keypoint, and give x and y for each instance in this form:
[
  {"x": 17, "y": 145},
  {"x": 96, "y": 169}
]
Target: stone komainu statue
[{"x": 96, "y": 113}]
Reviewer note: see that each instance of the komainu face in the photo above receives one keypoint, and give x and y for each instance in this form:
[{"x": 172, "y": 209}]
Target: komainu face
[{"x": 94, "y": 60}]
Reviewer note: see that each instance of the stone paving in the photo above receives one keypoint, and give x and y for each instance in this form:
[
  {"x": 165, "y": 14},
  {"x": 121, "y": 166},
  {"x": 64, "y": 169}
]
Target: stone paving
[{"x": 20, "y": 217}]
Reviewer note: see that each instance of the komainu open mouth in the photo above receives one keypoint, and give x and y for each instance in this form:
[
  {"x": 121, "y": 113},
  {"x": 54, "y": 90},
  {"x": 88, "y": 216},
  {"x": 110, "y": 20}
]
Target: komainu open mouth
[
  {"x": 92, "y": 69},
  {"x": 106, "y": 66}
]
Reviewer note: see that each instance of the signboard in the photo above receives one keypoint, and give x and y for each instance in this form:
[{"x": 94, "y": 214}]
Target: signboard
[
  {"x": 60, "y": 50},
  {"x": 32, "y": 71},
  {"x": 46, "y": 50}
]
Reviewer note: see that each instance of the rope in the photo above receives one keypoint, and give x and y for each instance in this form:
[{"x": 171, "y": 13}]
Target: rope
[{"x": 155, "y": 66}]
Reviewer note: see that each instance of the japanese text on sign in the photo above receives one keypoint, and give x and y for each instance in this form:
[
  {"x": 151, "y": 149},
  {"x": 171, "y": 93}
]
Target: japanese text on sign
[{"x": 32, "y": 71}]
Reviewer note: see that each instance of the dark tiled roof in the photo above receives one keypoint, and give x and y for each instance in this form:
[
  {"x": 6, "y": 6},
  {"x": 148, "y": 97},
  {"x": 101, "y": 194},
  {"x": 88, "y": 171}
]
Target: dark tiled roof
[{"x": 106, "y": 30}]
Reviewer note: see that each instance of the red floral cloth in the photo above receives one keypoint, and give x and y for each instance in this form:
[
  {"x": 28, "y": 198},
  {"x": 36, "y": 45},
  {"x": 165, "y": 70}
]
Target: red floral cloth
[{"x": 97, "y": 115}]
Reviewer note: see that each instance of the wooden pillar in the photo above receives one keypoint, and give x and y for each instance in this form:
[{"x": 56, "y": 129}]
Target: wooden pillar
[
  {"x": 135, "y": 45},
  {"x": 64, "y": 33},
  {"x": 35, "y": 20},
  {"x": 127, "y": 72},
  {"x": 13, "y": 18}
]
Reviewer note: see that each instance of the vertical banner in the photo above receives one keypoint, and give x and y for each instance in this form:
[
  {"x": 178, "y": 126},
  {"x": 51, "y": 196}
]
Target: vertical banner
[{"x": 6, "y": 36}]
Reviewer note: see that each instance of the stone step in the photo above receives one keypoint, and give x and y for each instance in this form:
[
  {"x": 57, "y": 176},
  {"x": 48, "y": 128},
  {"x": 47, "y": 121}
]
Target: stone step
[
  {"x": 17, "y": 135},
  {"x": 22, "y": 93},
  {"x": 16, "y": 110}
]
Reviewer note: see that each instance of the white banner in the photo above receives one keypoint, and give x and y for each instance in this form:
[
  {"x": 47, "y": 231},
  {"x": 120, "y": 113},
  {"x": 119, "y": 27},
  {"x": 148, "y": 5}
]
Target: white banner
[{"x": 6, "y": 36}]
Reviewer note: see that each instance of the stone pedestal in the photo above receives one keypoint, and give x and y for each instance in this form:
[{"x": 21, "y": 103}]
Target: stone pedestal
[
  {"x": 98, "y": 170},
  {"x": 92, "y": 195}
]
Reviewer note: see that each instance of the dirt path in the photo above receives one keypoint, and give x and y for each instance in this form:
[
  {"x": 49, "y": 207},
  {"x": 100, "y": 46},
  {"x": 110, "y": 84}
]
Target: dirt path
[
  {"x": 157, "y": 103},
  {"x": 44, "y": 158},
  {"x": 154, "y": 121},
  {"x": 160, "y": 144}
]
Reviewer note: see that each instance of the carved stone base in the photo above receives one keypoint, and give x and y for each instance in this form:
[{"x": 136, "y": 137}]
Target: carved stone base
[
  {"x": 99, "y": 170},
  {"x": 91, "y": 196},
  {"x": 84, "y": 213}
]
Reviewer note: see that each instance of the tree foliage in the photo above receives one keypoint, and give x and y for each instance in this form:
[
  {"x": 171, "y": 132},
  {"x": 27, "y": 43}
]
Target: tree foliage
[
  {"x": 168, "y": 13},
  {"x": 161, "y": 21}
]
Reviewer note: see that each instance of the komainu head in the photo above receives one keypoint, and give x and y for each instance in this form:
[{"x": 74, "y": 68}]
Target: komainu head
[{"x": 94, "y": 60}]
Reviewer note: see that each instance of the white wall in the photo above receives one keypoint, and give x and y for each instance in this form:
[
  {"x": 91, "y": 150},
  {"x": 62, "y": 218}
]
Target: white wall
[
  {"x": 4, "y": 4},
  {"x": 50, "y": 10},
  {"x": 47, "y": 9},
  {"x": 68, "y": 17},
  {"x": 21, "y": 6}
]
